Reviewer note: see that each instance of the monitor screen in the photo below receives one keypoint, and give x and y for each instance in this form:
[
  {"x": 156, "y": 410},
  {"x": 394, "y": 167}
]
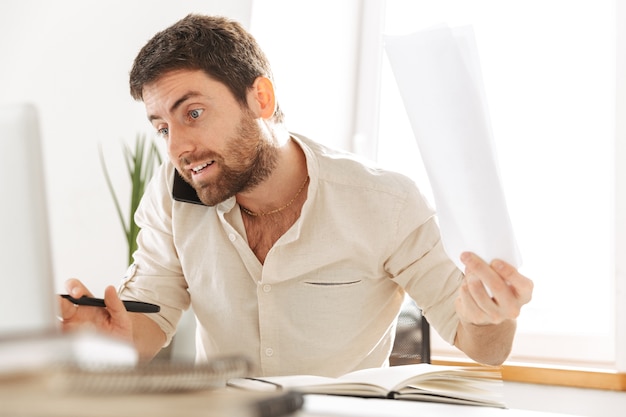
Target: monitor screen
[{"x": 27, "y": 302}]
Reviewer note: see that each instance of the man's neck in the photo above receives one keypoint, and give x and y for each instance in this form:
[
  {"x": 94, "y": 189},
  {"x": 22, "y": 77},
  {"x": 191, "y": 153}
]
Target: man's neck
[
  {"x": 270, "y": 209},
  {"x": 283, "y": 183}
]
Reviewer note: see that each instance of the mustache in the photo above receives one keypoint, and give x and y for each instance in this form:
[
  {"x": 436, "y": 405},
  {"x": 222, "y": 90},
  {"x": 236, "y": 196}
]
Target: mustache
[{"x": 199, "y": 157}]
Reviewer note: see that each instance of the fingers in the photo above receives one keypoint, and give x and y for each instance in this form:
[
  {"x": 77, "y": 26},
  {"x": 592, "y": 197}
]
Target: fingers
[
  {"x": 113, "y": 320},
  {"x": 119, "y": 322},
  {"x": 469, "y": 309},
  {"x": 76, "y": 288},
  {"x": 67, "y": 309},
  {"x": 522, "y": 286},
  {"x": 74, "y": 317},
  {"x": 491, "y": 293},
  {"x": 475, "y": 303},
  {"x": 113, "y": 302}
]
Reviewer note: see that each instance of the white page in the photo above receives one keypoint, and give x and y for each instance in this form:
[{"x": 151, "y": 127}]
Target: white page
[{"x": 439, "y": 78}]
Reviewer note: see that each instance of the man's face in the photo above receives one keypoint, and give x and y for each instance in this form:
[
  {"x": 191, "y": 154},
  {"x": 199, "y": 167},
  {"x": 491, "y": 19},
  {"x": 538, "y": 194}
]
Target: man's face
[{"x": 217, "y": 145}]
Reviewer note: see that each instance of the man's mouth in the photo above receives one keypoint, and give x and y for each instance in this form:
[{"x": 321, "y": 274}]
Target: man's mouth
[{"x": 198, "y": 169}]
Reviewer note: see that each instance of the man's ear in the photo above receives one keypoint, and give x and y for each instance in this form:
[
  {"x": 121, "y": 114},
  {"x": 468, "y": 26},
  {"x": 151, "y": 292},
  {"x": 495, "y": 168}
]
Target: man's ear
[{"x": 261, "y": 98}]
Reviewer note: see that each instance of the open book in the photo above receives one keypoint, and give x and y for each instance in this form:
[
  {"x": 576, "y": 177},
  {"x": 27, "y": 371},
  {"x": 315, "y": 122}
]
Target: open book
[{"x": 472, "y": 385}]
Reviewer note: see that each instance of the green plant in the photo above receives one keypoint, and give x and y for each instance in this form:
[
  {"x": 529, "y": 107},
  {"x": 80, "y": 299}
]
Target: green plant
[{"x": 140, "y": 163}]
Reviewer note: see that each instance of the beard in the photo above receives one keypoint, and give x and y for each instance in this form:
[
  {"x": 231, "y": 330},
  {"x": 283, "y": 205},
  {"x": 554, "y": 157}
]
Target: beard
[{"x": 250, "y": 157}]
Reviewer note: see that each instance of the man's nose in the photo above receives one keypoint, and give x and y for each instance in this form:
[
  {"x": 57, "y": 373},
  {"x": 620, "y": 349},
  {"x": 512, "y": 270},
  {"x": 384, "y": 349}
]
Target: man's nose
[{"x": 181, "y": 142}]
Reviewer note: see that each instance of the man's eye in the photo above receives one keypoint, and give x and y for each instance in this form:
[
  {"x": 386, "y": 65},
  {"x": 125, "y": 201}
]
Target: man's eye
[
  {"x": 195, "y": 113},
  {"x": 163, "y": 132}
]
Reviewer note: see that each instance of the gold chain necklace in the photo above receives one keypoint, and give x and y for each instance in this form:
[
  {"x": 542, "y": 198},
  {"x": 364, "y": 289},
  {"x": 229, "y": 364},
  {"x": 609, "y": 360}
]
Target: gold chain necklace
[{"x": 253, "y": 214}]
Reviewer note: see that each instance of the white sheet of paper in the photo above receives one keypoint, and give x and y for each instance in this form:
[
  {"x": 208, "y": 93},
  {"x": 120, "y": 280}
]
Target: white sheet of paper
[{"x": 439, "y": 78}]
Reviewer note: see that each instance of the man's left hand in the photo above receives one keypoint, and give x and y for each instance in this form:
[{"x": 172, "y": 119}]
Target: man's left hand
[{"x": 491, "y": 293}]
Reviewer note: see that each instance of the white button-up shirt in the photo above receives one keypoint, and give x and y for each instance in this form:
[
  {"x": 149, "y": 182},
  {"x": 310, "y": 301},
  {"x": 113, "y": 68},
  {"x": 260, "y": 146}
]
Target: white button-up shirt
[{"x": 326, "y": 298}]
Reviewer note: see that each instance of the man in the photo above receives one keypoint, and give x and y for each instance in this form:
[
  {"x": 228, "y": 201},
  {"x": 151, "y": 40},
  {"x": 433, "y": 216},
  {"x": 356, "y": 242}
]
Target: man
[{"x": 291, "y": 253}]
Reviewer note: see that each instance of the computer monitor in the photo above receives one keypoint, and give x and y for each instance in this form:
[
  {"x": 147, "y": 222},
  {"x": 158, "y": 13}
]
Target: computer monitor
[{"x": 27, "y": 302}]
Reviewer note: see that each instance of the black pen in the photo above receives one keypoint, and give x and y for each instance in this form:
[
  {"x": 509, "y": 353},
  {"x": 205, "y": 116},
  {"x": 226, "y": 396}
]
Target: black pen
[{"x": 131, "y": 306}]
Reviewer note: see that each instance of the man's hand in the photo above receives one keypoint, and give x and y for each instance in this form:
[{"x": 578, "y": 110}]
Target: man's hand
[
  {"x": 113, "y": 320},
  {"x": 489, "y": 301},
  {"x": 491, "y": 294}
]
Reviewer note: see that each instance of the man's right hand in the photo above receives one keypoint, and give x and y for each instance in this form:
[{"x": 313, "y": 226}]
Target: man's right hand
[{"x": 113, "y": 320}]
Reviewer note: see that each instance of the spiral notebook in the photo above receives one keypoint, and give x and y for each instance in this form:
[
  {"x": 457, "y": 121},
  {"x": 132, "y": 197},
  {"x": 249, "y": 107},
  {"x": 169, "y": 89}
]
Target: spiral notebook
[
  {"x": 154, "y": 377},
  {"x": 159, "y": 389}
]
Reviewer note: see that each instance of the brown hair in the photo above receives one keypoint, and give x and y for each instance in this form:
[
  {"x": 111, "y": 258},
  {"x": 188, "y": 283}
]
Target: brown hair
[{"x": 220, "y": 47}]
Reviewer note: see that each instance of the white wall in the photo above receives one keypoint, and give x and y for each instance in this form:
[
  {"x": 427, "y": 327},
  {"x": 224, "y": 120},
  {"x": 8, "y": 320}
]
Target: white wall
[
  {"x": 71, "y": 58},
  {"x": 313, "y": 49}
]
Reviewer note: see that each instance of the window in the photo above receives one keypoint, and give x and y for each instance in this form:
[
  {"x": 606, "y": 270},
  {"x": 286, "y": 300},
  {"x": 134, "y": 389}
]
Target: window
[{"x": 549, "y": 73}]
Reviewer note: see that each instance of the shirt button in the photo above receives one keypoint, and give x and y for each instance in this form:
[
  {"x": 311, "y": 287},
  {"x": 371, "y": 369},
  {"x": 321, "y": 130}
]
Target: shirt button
[
  {"x": 269, "y": 352},
  {"x": 232, "y": 237},
  {"x": 267, "y": 288}
]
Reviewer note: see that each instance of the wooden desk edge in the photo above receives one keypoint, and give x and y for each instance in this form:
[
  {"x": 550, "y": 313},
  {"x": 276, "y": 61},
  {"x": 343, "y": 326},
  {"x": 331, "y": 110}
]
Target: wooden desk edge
[{"x": 561, "y": 376}]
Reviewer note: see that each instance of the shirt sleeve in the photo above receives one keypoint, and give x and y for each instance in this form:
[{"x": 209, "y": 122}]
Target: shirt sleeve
[
  {"x": 420, "y": 265},
  {"x": 156, "y": 274}
]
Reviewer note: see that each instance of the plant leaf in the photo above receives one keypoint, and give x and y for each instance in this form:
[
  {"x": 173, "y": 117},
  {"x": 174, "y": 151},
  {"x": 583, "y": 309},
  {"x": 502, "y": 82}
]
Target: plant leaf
[
  {"x": 116, "y": 202},
  {"x": 140, "y": 164}
]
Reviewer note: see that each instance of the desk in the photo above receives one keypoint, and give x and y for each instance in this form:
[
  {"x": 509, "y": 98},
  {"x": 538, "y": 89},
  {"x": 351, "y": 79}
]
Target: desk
[
  {"x": 30, "y": 397},
  {"x": 335, "y": 406}
]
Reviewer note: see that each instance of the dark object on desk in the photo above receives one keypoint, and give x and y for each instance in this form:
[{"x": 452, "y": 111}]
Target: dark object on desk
[
  {"x": 412, "y": 344},
  {"x": 131, "y": 306},
  {"x": 282, "y": 405}
]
